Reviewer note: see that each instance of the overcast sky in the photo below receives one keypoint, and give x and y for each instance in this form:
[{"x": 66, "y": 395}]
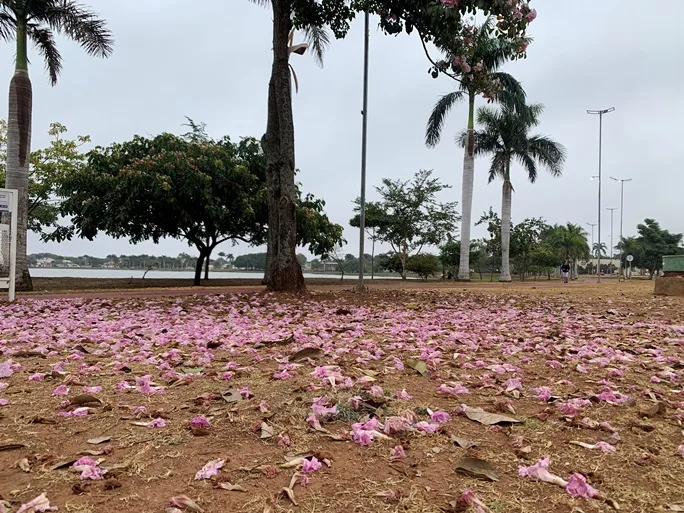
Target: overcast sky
[{"x": 212, "y": 64}]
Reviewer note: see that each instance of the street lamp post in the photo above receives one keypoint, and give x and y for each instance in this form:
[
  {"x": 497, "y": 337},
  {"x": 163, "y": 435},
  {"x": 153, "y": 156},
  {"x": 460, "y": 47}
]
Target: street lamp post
[
  {"x": 364, "y": 133},
  {"x": 600, "y": 114},
  {"x": 592, "y": 237},
  {"x": 611, "y": 238},
  {"x": 622, "y": 211}
]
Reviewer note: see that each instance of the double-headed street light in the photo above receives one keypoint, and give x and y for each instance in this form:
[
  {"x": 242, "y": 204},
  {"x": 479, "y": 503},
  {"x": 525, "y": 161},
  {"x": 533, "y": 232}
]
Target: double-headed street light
[
  {"x": 600, "y": 114},
  {"x": 592, "y": 237},
  {"x": 622, "y": 210}
]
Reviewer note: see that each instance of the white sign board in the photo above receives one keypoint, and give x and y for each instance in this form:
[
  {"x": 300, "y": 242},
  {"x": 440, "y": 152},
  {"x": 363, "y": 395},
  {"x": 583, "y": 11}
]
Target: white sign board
[
  {"x": 630, "y": 258},
  {"x": 5, "y": 201}
]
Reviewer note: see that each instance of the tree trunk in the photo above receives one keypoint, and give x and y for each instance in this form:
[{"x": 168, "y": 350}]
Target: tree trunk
[
  {"x": 206, "y": 265},
  {"x": 198, "y": 269},
  {"x": 506, "y": 230},
  {"x": 19, "y": 152},
  {"x": 467, "y": 194},
  {"x": 286, "y": 273},
  {"x": 373, "y": 255}
]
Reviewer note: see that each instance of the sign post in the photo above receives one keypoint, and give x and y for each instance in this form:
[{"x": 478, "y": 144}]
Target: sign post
[
  {"x": 629, "y": 259},
  {"x": 8, "y": 230}
]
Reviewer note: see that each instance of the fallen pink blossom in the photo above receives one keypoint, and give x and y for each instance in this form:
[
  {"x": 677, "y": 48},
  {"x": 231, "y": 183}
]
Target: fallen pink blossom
[
  {"x": 403, "y": 395},
  {"x": 540, "y": 472},
  {"x": 440, "y": 417},
  {"x": 312, "y": 465},
  {"x": 156, "y": 423},
  {"x": 284, "y": 440},
  {"x": 397, "y": 453},
  {"x": 542, "y": 393},
  {"x": 38, "y": 505},
  {"x": 210, "y": 469},
  {"x": 60, "y": 390},
  {"x": 200, "y": 422},
  {"x": 577, "y": 486},
  {"x": 92, "y": 390},
  {"x": 3, "y": 402}
]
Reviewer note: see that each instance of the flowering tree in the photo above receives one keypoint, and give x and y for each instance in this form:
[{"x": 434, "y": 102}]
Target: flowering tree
[
  {"x": 476, "y": 74},
  {"x": 438, "y": 21}
]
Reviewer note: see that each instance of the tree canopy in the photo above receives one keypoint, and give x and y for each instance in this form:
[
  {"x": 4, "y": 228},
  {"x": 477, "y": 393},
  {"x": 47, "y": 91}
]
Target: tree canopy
[
  {"x": 413, "y": 217},
  {"x": 188, "y": 187}
]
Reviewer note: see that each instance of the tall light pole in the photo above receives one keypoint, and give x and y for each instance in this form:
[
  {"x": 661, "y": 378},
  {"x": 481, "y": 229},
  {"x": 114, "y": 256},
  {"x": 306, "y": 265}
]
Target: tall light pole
[
  {"x": 592, "y": 237},
  {"x": 611, "y": 237},
  {"x": 600, "y": 115},
  {"x": 364, "y": 133},
  {"x": 622, "y": 211}
]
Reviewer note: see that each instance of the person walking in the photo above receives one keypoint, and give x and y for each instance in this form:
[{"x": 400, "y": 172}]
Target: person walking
[{"x": 565, "y": 270}]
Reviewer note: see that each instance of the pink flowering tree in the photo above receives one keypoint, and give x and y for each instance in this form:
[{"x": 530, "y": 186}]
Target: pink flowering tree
[
  {"x": 476, "y": 73},
  {"x": 437, "y": 21}
]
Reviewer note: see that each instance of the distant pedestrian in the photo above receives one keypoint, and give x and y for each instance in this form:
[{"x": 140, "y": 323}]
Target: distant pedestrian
[{"x": 565, "y": 270}]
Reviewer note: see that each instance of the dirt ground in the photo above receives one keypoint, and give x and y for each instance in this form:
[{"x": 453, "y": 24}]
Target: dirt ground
[{"x": 610, "y": 355}]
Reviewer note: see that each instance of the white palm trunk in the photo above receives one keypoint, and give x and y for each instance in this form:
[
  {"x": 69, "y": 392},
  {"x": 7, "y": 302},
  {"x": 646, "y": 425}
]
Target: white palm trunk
[
  {"x": 506, "y": 199},
  {"x": 466, "y": 215}
]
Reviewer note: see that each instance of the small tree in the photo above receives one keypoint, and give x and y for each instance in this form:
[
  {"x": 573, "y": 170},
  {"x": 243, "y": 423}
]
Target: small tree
[
  {"x": 414, "y": 217},
  {"x": 424, "y": 265},
  {"x": 656, "y": 243}
]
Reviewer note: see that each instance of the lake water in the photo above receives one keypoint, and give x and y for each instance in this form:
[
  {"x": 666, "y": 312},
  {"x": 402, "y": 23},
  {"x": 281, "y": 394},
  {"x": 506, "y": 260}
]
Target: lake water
[{"x": 48, "y": 272}]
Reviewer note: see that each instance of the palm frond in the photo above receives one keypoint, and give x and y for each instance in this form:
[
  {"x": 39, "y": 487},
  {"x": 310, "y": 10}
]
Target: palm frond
[
  {"x": 319, "y": 41},
  {"x": 548, "y": 153},
  {"x": 8, "y": 24},
  {"x": 433, "y": 130},
  {"x": 497, "y": 168},
  {"x": 530, "y": 165},
  {"x": 512, "y": 92},
  {"x": 44, "y": 41},
  {"x": 262, "y": 3},
  {"x": 80, "y": 24}
]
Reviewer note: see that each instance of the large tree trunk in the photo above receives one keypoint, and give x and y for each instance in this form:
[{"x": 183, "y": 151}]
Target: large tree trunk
[
  {"x": 286, "y": 273},
  {"x": 19, "y": 152},
  {"x": 467, "y": 194},
  {"x": 506, "y": 198},
  {"x": 206, "y": 265}
]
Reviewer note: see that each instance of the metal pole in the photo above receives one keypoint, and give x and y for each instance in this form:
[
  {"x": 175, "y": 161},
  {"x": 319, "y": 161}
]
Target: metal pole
[
  {"x": 364, "y": 133},
  {"x": 600, "y": 115},
  {"x": 592, "y": 236},
  {"x": 622, "y": 211},
  {"x": 611, "y": 237}
]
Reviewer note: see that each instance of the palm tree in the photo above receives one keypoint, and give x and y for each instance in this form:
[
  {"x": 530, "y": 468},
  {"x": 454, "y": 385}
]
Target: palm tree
[
  {"x": 600, "y": 249},
  {"x": 38, "y": 20},
  {"x": 505, "y": 136},
  {"x": 489, "y": 54},
  {"x": 571, "y": 242}
]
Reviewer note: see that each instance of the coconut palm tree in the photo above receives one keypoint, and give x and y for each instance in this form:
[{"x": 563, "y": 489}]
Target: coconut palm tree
[
  {"x": 38, "y": 21},
  {"x": 571, "y": 242},
  {"x": 489, "y": 54},
  {"x": 505, "y": 136}
]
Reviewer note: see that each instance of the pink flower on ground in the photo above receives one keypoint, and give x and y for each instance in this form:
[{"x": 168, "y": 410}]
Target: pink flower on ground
[
  {"x": 452, "y": 389},
  {"x": 92, "y": 390},
  {"x": 440, "y": 416},
  {"x": 542, "y": 393},
  {"x": 680, "y": 450},
  {"x": 6, "y": 369},
  {"x": 311, "y": 465},
  {"x": 355, "y": 401},
  {"x": 245, "y": 393},
  {"x": 604, "y": 446},
  {"x": 122, "y": 385},
  {"x": 60, "y": 390},
  {"x": 139, "y": 410},
  {"x": 227, "y": 376},
  {"x": 395, "y": 425},
  {"x": 397, "y": 453},
  {"x": 578, "y": 487},
  {"x": 200, "y": 422},
  {"x": 403, "y": 395},
  {"x": 362, "y": 436},
  {"x": 540, "y": 472},
  {"x": 38, "y": 505},
  {"x": 320, "y": 408},
  {"x": 513, "y": 384},
  {"x": 78, "y": 412},
  {"x": 554, "y": 364},
  {"x": 427, "y": 427},
  {"x": 92, "y": 473},
  {"x": 264, "y": 407},
  {"x": 3, "y": 402},
  {"x": 38, "y": 376},
  {"x": 376, "y": 391},
  {"x": 210, "y": 469},
  {"x": 284, "y": 440},
  {"x": 156, "y": 423}
]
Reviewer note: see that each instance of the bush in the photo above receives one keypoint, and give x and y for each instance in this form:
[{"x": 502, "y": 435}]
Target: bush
[{"x": 423, "y": 265}]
